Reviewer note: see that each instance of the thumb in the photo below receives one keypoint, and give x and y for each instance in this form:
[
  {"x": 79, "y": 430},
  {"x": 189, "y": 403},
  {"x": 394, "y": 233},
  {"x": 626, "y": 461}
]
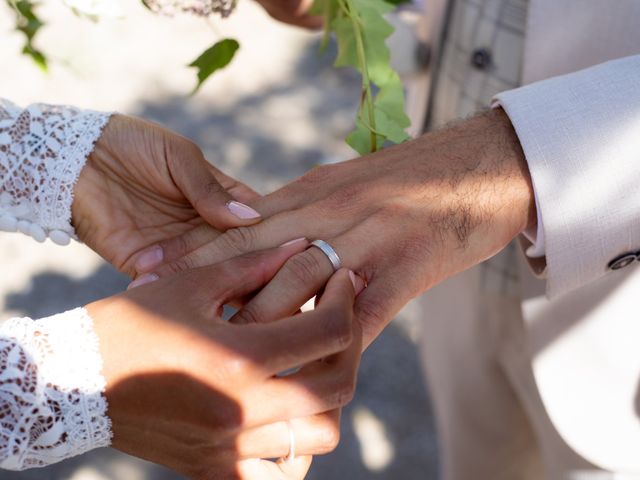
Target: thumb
[{"x": 196, "y": 179}]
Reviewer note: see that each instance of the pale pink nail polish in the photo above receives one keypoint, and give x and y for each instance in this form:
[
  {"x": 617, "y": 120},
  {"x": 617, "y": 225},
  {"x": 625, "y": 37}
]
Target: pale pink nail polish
[
  {"x": 358, "y": 283},
  {"x": 293, "y": 242},
  {"x": 242, "y": 211},
  {"x": 149, "y": 259},
  {"x": 143, "y": 280}
]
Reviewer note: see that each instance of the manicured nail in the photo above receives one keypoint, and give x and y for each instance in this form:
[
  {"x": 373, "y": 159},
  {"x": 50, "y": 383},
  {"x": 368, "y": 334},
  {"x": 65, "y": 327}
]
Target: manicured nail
[
  {"x": 242, "y": 211},
  {"x": 358, "y": 283},
  {"x": 293, "y": 242},
  {"x": 149, "y": 260},
  {"x": 143, "y": 280}
]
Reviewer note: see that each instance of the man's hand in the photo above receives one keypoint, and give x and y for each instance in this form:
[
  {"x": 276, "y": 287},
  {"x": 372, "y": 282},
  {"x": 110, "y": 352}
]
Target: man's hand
[
  {"x": 293, "y": 12},
  {"x": 143, "y": 184},
  {"x": 201, "y": 396},
  {"x": 404, "y": 219}
]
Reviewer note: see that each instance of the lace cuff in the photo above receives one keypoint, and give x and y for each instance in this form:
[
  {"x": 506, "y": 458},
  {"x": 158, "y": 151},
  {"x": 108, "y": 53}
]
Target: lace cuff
[
  {"x": 42, "y": 151},
  {"x": 52, "y": 405}
]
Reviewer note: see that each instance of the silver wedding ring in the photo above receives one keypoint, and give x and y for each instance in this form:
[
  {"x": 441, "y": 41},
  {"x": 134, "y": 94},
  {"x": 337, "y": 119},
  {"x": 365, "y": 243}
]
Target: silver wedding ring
[
  {"x": 329, "y": 252},
  {"x": 292, "y": 443}
]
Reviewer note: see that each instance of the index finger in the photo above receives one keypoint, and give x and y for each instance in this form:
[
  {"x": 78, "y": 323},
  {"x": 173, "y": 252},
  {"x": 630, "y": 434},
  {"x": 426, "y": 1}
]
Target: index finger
[
  {"x": 303, "y": 338},
  {"x": 196, "y": 179}
]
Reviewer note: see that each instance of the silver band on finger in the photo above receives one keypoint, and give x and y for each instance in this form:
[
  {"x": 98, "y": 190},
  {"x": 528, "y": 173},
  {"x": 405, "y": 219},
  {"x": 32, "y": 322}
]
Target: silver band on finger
[
  {"x": 292, "y": 443},
  {"x": 329, "y": 252}
]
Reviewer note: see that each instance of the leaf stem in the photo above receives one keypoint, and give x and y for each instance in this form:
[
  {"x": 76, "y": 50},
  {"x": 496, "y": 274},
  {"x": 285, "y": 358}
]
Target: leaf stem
[{"x": 350, "y": 11}]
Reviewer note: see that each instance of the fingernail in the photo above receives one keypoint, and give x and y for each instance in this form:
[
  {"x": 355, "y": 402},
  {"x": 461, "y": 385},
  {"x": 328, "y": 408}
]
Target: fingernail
[
  {"x": 293, "y": 242},
  {"x": 149, "y": 259},
  {"x": 242, "y": 211},
  {"x": 142, "y": 280},
  {"x": 358, "y": 282}
]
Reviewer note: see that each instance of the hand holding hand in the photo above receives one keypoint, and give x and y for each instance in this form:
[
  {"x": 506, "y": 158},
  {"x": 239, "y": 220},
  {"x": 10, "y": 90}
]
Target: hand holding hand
[
  {"x": 143, "y": 184},
  {"x": 199, "y": 395},
  {"x": 404, "y": 219}
]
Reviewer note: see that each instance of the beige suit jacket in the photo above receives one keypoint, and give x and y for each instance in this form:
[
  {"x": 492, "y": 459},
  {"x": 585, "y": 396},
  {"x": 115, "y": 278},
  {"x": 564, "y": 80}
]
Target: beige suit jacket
[{"x": 581, "y": 135}]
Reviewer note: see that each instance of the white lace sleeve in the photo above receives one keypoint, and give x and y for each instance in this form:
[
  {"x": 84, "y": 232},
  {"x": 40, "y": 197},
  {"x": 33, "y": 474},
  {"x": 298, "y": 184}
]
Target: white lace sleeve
[
  {"x": 42, "y": 151},
  {"x": 52, "y": 404}
]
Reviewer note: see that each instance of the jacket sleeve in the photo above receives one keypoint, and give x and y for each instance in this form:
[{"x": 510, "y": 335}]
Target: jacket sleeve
[{"x": 581, "y": 136}]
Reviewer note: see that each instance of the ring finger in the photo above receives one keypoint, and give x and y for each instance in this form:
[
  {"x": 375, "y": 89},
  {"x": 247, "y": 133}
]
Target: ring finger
[
  {"x": 316, "y": 435},
  {"x": 304, "y": 274}
]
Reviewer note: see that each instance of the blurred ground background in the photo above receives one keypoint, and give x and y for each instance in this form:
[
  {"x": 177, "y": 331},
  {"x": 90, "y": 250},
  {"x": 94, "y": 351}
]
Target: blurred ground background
[{"x": 279, "y": 110}]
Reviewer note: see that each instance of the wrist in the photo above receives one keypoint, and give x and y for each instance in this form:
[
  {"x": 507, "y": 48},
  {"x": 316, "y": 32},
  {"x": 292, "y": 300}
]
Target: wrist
[
  {"x": 502, "y": 182},
  {"x": 117, "y": 325},
  {"x": 476, "y": 173},
  {"x": 92, "y": 188},
  {"x": 510, "y": 166}
]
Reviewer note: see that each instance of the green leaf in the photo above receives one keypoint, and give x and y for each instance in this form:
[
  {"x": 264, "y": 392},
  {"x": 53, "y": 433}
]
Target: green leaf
[
  {"x": 361, "y": 32},
  {"x": 28, "y": 23},
  {"x": 214, "y": 58},
  {"x": 390, "y": 100},
  {"x": 346, "y": 37},
  {"x": 37, "y": 56},
  {"x": 360, "y": 139}
]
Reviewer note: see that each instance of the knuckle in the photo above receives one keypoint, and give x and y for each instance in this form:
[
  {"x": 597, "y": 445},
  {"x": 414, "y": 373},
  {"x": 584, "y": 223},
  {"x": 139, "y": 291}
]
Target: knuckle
[
  {"x": 248, "y": 315},
  {"x": 180, "y": 265},
  {"x": 191, "y": 150},
  {"x": 180, "y": 147},
  {"x": 304, "y": 267},
  {"x": 211, "y": 188},
  {"x": 336, "y": 329},
  {"x": 190, "y": 147},
  {"x": 233, "y": 368},
  {"x": 239, "y": 240},
  {"x": 344, "y": 198},
  {"x": 230, "y": 421},
  {"x": 348, "y": 393},
  {"x": 328, "y": 437},
  {"x": 344, "y": 392},
  {"x": 370, "y": 314},
  {"x": 223, "y": 420},
  {"x": 176, "y": 246}
]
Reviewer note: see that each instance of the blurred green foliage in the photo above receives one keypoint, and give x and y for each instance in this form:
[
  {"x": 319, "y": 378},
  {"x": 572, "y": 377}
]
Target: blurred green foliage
[{"x": 28, "y": 23}]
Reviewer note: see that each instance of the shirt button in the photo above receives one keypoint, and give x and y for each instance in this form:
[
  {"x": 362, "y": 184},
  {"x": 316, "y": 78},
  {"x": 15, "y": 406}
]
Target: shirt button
[
  {"x": 481, "y": 58},
  {"x": 622, "y": 261}
]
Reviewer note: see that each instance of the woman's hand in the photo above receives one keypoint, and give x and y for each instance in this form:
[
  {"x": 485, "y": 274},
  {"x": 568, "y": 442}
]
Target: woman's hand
[
  {"x": 143, "y": 184},
  {"x": 200, "y": 395},
  {"x": 404, "y": 219},
  {"x": 293, "y": 12}
]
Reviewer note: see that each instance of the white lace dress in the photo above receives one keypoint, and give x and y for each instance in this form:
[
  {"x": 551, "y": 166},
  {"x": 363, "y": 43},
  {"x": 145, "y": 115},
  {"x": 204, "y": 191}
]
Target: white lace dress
[{"x": 52, "y": 403}]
